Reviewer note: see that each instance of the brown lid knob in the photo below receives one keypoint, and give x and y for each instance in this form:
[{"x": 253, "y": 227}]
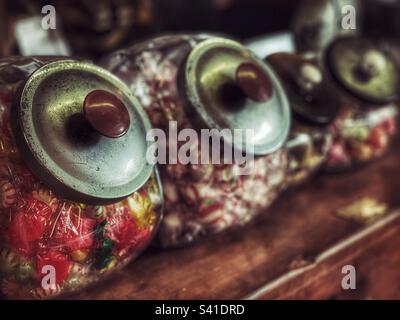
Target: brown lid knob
[
  {"x": 106, "y": 113},
  {"x": 311, "y": 95},
  {"x": 254, "y": 82},
  {"x": 372, "y": 64}
]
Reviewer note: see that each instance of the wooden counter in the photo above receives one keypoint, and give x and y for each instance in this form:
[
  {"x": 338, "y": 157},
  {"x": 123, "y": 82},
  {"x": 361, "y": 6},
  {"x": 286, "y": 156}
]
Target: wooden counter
[{"x": 295, "y": 250}]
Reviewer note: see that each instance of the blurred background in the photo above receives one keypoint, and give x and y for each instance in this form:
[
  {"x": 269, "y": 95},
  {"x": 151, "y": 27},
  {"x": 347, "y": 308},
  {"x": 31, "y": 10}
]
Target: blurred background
[{"x": 92, "y": 28}]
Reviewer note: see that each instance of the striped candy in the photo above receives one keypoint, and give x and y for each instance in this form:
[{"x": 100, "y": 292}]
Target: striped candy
[
  {"x": 8, "y": 194},
  {"x": 8, "y": 260},
  {"x": 41, "y": 293}
]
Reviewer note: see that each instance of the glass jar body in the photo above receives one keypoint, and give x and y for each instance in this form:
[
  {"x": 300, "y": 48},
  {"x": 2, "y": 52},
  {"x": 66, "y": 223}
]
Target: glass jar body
[
  {"x": 200, "y": 199},
  {"x": 49, "y": 245},
  {"x": 307, "y": 149}
]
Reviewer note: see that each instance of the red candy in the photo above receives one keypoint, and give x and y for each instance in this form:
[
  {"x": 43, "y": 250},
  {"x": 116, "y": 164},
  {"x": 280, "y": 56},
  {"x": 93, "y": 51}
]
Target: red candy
[
  {"x": 389, "y": 125},
  {"x": 72, "y": 231},
  {"x": 29, "y": 225},
  {"x": 378, "y": 138},
  {"x": 125, "y": 233}
]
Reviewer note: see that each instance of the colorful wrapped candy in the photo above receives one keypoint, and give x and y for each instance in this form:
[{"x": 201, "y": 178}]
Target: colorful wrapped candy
[{"x": 361, "y": 136}]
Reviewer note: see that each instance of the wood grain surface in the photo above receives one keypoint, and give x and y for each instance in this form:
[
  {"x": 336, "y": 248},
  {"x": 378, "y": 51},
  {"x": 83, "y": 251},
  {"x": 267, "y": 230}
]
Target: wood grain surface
[{"x": 294, "y": 250}]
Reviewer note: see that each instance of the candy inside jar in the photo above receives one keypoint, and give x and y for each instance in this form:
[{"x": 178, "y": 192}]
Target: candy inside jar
[
  {"x": 314, "y": 107},
  {"x": 62, "y": 225},
  {"x": 201, "y": 82},
  {"x": 368, "y": 82},
  {"x": 361, "y": 136}
]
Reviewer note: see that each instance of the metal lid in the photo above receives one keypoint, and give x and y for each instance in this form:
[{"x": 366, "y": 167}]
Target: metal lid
[
  {"x": 316, "y": 23},
  {"x": 310, "y": 95},
  {"x": 227, "y": 87},
  {"x": 364, "y": 70},
  {"x": 82, "y": 132}
]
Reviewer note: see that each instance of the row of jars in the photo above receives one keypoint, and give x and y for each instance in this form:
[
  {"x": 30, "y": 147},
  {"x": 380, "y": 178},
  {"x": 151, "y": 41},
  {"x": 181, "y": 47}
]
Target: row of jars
[{"x": 78, "y": 199}]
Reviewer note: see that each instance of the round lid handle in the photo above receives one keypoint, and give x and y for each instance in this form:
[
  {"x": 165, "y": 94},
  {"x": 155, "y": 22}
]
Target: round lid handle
[
  {"x": 372, "y": 64},
  {"x": 312, "y": 97},
  {"x": 106, "y": 113},
  {"x": 253, "y": 81},
  {"x": 365, "y": 69},
  {"x": 309, "y": 76}
]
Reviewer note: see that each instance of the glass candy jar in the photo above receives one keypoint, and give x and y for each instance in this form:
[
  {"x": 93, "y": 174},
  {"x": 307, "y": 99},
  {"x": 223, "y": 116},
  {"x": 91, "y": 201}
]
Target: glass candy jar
[
  {"x": 77, "y": 198},
  {"x": 204, "y": 82},
  {"x": 314, "y": 107},
  {"x": 367, "y": 79},
  {"x": 316, "y": 23}
]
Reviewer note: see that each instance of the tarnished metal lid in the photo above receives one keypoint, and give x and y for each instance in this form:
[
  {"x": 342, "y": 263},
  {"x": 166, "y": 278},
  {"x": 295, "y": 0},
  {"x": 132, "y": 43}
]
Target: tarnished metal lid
[
  {"x": 82, "y": 132},
  {"x": 364, "y": 70},
  {"x": 316, "y": 23},
  {"x": 227, "y": 87},
  {"x": 310, "y": 94}
]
